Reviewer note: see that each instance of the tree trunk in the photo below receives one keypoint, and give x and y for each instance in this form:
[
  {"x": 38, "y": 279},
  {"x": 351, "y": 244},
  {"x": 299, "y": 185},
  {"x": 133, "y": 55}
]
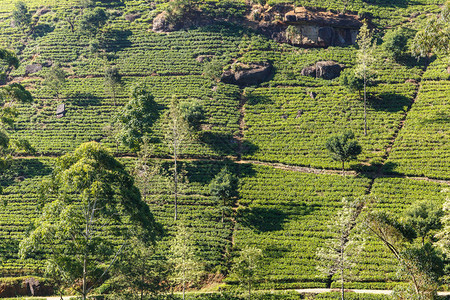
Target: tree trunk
[
  {"x": 365, "y": 102},
  {"x": 342, "y": 270},
  {"x": 175, "y": 174}
]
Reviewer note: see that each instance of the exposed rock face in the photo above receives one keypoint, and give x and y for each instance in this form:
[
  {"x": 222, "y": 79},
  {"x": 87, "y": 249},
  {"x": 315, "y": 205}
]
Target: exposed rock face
[
  {"x": 312, "y": 29},
  {"x": 161, "y": 24},
  {"x": 323, "y": 69},
  {"x": 251, "y": 75},
  {"x": 30, "y": 69}
]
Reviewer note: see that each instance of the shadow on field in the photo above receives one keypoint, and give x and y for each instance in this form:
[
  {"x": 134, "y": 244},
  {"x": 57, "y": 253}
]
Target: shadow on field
[
  {"x": 438, "y": 118},
  {"x": 116, "y": 40},
  {"x": 261, "y": 219},
  {"x": 84, "y": 99},
  {"x": 224, "y": 144},
  {"x": 21, "y": 169},
  {"x": 389, "y": 102}
]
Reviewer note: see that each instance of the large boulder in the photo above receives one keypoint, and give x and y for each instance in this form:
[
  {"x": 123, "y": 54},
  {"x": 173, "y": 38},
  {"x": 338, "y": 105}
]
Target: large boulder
[
  {"x": 328, "y": 69},
  {"x": 249, "y": 75},
  {"x": 31, "y": 69},
  {"x": 323, "y": 69}
]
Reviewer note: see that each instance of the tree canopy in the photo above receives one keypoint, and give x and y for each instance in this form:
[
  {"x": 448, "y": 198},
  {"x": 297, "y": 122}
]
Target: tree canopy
[
  {"x": 343, "y": 147},
  {"x": 88, "y": 194}
]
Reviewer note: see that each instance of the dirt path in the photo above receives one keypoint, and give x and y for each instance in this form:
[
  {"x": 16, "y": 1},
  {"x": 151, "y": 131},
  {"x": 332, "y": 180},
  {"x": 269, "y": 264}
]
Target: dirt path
[{"x": 375, "y": 292}]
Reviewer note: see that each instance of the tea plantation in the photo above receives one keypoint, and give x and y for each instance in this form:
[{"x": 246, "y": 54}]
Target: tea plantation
[{"x": 271, "y": 135}]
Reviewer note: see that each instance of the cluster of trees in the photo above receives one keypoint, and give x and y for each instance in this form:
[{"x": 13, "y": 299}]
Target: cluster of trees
[{"x": 419, "y": 240}]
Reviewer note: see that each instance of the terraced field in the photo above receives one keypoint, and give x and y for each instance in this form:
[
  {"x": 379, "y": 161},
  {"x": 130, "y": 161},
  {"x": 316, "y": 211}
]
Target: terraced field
[{"x": 284, "y": 120}]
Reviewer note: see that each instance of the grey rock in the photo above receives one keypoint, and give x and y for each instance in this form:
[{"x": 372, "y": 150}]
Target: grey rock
[
  {"x": 255, "y": 74},
  {"x": 31, "y": 69}
]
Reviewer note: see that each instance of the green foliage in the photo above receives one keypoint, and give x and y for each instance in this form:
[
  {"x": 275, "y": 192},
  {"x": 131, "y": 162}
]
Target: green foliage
[
  {"x": 20, "y": 15},
  {"x": 193, "y": 112},
  {"x": 224, "y": 188},
  {"x": 55, "y": 80},
  {"x": 337, "y": 255},
  {"x": 186, "y": 267},
  {"x": 247, "y": 267},
  {"x": 136, "y": 117},
  {"x": 343, "y": 147},
  {"x": 113, "y": 81},
  {"x": 139, "y": 273},
  {"x": 93, "y": 20},
  {"x": 435, "y": 36},
  {"x": 395, "y": 42},
  {"x": 352, "y": 82},
  {"x": 213, "y": 69},
  {"x": 89, "y": 189},
  {"x": 423, "y": 217}
]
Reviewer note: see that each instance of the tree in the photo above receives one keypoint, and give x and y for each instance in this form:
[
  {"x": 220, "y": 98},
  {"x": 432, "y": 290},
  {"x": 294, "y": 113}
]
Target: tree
[
  {"x": 247, "y": 267},
  {"x": 421, "y": 263},
  {"x": 137, "y": 117},
  {"x": 20, "y": 15},
  {"x": 55, "y": 80},
  {"x": 213, "y": 69},
  {"x": 365, "y": 60},
  {"x": 423, "y": 217},
  {"x": 139, "y": 272},
  {"x": 351, "y": 82},
  {"x": 113, "y": 81},
  {"x": 193, "y": 112},
  {"x": 92, "y": 20},
  {"x": 435, "y": 37},
  {"x": 395, "y": 43},
  {"x": 88, "y": 192},
  {"x": 337, "y": 253},
  {"x": 223, "y": 187},
  {"x": 186, "y": 265},
  {"x": 10, "y": 94},
  {"x": 444, "y": 235},
  {"x": 343, "y": 147},
  {"x": 177, "y": 133}
]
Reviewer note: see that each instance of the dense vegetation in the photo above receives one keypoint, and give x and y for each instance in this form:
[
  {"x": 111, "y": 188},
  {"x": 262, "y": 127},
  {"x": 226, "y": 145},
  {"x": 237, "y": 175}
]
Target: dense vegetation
[{"x": 243, "y": 179}]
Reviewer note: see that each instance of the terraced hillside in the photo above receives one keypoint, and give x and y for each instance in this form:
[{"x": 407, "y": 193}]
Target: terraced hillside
[{"x": 272, "y": 135}]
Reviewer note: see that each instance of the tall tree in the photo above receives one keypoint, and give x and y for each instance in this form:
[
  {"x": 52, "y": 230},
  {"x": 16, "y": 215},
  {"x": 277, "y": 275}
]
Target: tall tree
[
  {"x": 444, "y": 235},
  {"x": 113, "y": 81},
  {"x": 20, "y": 15},
  {"x": 139, "y": 273},
  {"x": 421, "y": 263},
  {"x": 55, "y": 80},
  {"x": 343, "y": 147},
  {"x": 336, "y": 256},
  {"x": 178, "y": 132},
  {"x": 365, "y": 59},
  {"x": 137, "y": 117},
  {"x": 435, "y": 37},
  {"x": 186, "y": 265},
  {"x": 247, "y": 267},
  {"x": 88, "y": 191},
  {"x": 93, "y": 20},
  {"x": 223, "y": 187},
  {"x": 423, "y": 217},
  {"x": 10, "y": 94}
]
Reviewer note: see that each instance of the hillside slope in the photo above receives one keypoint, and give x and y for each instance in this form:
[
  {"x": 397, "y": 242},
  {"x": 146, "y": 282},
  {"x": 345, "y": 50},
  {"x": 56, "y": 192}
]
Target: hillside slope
[{"x": 279, "y": 209}]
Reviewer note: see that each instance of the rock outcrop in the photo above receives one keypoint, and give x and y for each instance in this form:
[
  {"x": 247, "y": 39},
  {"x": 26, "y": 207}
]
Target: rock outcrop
[
  {"x": 248, "y": 75},
  {"x": 323, "y": 69},
  {"x": 31, "y": 69},
  {"x": 302, "y": 27}
]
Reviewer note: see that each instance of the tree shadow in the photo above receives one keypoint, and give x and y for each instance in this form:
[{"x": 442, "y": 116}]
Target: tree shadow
[
  {"x": 392, "y": 3},
  {"x": 389, "y": 102},
  {"x": 21, "y": 169},
  {"x": 438, "y": 118},
  {"x": 204, "y": 171},
  {"x": 265, "y": 219},
  {"x": 84, "y": 99},
  {"x": 389, "y": 168},
  {"x": 225, "y": 144},
  {"x": 412, "y": 62},
  {"x": 41, "y": 30},
  {"x": 116, "y": 40},
  {"x": 253, "y": 99}
]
